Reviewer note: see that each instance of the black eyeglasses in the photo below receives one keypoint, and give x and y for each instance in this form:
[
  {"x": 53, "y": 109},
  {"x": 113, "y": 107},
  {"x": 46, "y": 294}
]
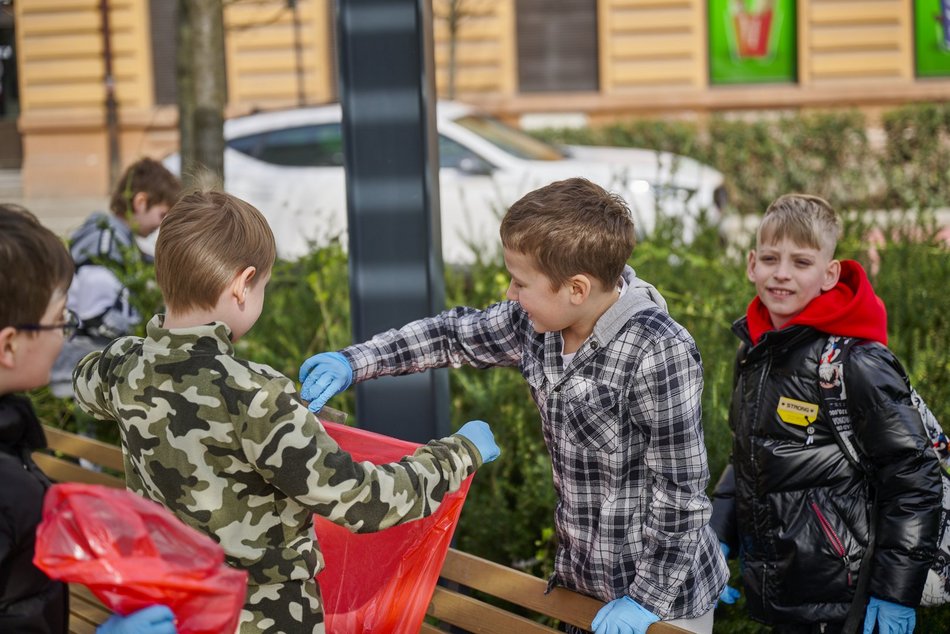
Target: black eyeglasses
[{"x": 69, "y": 325}]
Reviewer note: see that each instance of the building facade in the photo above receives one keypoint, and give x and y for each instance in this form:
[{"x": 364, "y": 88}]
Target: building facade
[{"x": 600, "y": 58}]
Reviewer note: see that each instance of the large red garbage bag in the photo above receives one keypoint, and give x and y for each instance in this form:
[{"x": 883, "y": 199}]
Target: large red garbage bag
[
  {"x": 382, "y": 582},
  {"x": 133, "y": 553}
]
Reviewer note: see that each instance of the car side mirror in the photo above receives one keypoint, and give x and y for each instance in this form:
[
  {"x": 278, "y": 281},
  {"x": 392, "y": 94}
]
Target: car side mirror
[{"x": 474, "y": 166}]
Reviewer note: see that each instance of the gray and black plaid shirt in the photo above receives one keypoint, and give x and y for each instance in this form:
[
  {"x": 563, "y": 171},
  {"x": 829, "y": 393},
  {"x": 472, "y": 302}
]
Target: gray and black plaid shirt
[{"x": 623, "y": 424}]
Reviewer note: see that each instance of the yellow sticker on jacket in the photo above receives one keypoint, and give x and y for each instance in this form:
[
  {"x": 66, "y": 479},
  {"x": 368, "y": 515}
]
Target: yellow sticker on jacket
[{"x": 796, "y": 412}]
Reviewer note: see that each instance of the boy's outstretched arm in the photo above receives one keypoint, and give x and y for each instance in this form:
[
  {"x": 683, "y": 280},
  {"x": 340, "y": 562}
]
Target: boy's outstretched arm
[
  {"x": 459, "y": 336},
  {"x": 289, "y": 447},
  {"x": 668, "y": 398}
]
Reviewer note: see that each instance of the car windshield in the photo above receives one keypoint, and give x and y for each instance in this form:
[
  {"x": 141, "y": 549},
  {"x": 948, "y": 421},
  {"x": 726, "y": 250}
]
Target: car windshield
[{"x": 509, "y": 139}]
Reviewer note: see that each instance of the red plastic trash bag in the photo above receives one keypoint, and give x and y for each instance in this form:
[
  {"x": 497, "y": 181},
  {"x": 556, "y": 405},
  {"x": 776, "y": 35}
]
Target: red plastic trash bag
[
  {"x": 133, "y": 553},
  {"x": 382, "y": 582}
]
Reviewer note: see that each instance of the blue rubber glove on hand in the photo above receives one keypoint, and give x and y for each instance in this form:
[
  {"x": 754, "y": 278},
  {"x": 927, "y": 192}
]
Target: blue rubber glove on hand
[
  {"x": 891, "y": 618},
  {"x": 729, "y": 595},
  {"x": 324, "y": 375},
  {"x": 623, "y": 616},
  {"x": 156, "y": 619},
  {"x": 480, "y": 434}
]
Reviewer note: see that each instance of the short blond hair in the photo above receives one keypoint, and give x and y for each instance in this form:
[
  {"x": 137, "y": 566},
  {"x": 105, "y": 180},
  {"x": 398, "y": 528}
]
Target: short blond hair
[
  {"x": 571, "y": 227},
  {"x": 204, "y": 241},
  {"x": 804, "y": 219}
]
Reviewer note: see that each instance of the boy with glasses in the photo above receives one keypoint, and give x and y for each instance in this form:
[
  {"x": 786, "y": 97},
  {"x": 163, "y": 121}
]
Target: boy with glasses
[{"x": 34, "y": 323}]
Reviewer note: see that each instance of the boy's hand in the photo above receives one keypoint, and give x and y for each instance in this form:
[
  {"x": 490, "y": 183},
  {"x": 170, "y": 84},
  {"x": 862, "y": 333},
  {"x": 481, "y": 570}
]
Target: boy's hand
[
  {"x": 323, "y": 376},
  {"x": 891, "y": 618},
  {"x": 623, "y": 616},
  {"x": 480, "y": 434},
  {"x": 156, "y": 619}
]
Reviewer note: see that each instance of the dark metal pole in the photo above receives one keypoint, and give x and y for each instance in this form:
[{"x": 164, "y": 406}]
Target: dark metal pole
[
  {"x": 387, "y": 91},
  {"x": 298, "y": 53},
  {"x": 112, "y": 108}
]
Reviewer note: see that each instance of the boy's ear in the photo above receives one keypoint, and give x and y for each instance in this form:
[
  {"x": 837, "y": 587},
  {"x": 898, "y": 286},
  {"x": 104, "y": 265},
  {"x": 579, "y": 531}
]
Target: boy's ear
[
  {"x": 750, "y": 266},
  {"x": 832, "y": 275},
  {"x": 241, "y": 283},
  {"x": 579, "y": 286},
  {"x": 140, "y": 203},
  {"x": 8, "y": 347}
]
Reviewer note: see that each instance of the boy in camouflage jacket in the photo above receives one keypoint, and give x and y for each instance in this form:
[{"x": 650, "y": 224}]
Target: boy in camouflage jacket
[{"x": 226, "y": 444}]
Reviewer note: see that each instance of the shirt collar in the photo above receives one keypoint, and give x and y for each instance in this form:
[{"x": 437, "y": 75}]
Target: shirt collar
[{"x": 214, "y": 337}]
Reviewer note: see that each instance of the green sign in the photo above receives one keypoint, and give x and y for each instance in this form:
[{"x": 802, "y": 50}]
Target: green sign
[
  {"x": 752, "y": 41},
  {"x": 932, "y": 37}
]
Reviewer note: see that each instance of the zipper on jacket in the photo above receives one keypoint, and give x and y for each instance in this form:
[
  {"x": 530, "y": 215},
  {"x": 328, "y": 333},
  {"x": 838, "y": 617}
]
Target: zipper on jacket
[{"x": 836, "y": 544}]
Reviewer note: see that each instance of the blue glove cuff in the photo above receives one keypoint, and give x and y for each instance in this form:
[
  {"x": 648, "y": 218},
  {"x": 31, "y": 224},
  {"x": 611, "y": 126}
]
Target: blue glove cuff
[{"x": 339, "y": 356}]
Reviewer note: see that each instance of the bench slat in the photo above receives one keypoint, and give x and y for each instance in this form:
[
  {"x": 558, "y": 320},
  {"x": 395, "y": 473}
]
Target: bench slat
[
  {"x": 62, "y": 471},
  {"x": 86, "y": 612},
  {"x": 519, "y": 588},
  {"x": 478, "y": 617},
  {"x": 91, "y": 449}
]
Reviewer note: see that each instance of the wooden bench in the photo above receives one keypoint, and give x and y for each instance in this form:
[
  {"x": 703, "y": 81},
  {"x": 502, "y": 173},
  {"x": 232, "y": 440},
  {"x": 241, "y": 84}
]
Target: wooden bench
[{"x": 451, "y": 603}]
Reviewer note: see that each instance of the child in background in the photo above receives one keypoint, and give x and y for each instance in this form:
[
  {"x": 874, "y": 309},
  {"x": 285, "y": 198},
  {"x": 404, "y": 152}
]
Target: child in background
[
  {"x": 140, "y": 199},
  {"x": 791, "y": 505},
  {"x": 226, "y": 444},
  {"x": 34, "y": 323},
  {"x": 618, "y": 384}
]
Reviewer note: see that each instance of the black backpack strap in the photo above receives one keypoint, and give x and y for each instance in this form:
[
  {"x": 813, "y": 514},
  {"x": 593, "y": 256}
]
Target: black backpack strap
[{"x": 834, "y": 396}]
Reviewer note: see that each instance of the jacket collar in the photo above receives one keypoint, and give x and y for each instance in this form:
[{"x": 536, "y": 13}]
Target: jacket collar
[{"x": 19, "y": 425}]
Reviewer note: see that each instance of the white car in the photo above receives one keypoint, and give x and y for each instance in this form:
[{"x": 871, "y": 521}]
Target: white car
[{"x": 289, "y": 164}]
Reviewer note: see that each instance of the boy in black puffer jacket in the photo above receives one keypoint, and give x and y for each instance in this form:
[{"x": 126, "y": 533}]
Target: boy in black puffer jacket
[{"x": 797, "y": 513}]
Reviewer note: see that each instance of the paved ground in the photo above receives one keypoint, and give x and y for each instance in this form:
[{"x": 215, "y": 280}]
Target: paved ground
[{"x": 62, "y": 215}]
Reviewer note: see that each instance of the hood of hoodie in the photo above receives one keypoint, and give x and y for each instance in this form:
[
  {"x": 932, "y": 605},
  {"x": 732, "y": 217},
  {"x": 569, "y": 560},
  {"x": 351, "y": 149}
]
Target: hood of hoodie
[
  {"x": 850, "y": 309},
  {"x": 101, "y": 235}
]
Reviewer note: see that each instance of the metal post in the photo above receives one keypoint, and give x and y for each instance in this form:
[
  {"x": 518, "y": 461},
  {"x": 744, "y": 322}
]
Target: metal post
[
  {"x": 112, "y": 108},
  {"x": 387, "y": 91},
  {"x": 298, "y": 53}
]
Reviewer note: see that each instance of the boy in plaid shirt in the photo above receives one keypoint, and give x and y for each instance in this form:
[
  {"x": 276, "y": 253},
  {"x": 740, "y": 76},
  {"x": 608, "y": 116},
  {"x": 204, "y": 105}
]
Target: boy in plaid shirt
[{"x": 618, "y": 384}]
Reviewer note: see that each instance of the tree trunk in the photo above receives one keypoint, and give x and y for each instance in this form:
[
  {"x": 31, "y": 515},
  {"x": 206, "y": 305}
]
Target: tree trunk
[{"x": 201, "y": 92}]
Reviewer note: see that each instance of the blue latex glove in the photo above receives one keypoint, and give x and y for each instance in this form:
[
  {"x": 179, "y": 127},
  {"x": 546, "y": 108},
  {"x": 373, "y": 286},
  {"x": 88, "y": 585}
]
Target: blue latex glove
[
  {"x": 623, "y": 616},
  {"x": 156, "y": 619},
  {"x": 480, "y": 434},
  {"x": 729, "y": 594},
  {"x": 323, "y": 376},
  {"x": 891, "y": 618}
]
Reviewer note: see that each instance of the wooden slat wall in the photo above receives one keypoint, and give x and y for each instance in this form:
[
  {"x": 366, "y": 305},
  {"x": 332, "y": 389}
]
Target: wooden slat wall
[
  {"x": 844, "y": 40},
  {"x": 60, "y": 47},
  {"x": 261, "y": 59},
  {"x": 648, "y": 44},
  {"x": 486, "y": 56}
]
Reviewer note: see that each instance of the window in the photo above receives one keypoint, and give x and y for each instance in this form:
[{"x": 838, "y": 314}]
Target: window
[
  {"x": 163, "y": 20},
  {"x": 557, "y": 45},
  {"x": 305, "y": 146}
]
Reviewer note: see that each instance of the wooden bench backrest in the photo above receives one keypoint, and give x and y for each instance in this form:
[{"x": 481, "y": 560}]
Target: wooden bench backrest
[
  {"x": 458, "y": 608},
  {"x": 452, "y": 604},
  {"x": 510, "y": 585},
  {"x": 74, "y": 446}
]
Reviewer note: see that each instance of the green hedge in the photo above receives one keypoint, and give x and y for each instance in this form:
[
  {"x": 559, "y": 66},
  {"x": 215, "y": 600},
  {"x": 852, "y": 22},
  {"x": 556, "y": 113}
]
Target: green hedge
[
  {"x": 824, "y": 153},
  {"x": 508, "y": 517}
]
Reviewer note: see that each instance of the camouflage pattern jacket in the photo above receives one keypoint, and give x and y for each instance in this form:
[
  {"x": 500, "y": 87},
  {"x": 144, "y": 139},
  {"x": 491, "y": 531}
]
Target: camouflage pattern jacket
[{"x": 228, "y": 447}]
